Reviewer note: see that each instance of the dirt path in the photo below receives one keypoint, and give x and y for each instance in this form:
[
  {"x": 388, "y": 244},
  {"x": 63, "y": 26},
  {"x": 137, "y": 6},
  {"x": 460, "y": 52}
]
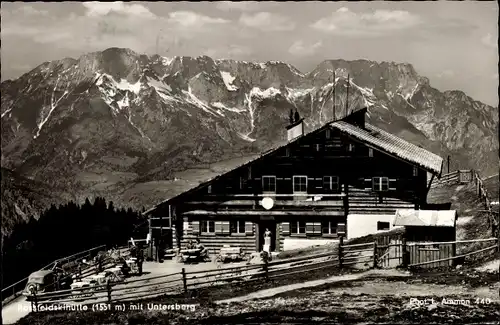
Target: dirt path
[
  {"x": 310, "y": 284},
  {"x": 15, "y": 310}
]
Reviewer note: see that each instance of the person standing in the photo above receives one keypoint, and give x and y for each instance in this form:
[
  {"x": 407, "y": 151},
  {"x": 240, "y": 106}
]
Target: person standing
[
  {"x": 140, "y": 258},
  {"x": 267, "y": 240}
]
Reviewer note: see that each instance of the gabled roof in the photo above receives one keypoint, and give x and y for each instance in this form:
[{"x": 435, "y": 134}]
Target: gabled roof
[
  {"x": 250, "y": 161},
  {"x": 373, "y": 136},
  {"x": 392, "y": 145},
  {"x": 430, "y": 218}
]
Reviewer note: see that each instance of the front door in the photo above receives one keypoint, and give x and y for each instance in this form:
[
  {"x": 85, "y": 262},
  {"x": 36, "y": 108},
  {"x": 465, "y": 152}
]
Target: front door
[{"x": 263, "y": 226}]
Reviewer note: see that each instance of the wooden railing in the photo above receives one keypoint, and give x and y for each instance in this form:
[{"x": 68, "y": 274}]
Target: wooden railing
[
  {"x": 456, "y": 177},
  {"x": 14, "y": 290},
  {"x": 493, "y": 217}
]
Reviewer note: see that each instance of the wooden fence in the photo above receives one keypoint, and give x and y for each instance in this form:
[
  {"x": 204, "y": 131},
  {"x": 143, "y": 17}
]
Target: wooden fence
[
  {"x": 347, "y": 255},
  {"x": 493, "y": 217},
  {"x": 456, "y": 177}
]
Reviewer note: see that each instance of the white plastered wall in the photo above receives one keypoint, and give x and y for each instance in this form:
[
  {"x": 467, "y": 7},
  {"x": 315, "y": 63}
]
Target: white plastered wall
[{"x": 359, "y": 225}]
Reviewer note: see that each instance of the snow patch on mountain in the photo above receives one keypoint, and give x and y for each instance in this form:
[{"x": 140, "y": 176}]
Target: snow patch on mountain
[
  {"x": 6, "y": 112},
  {"x": 123, "y": 84},
  {"x": 248, "y": 100},
  {"x": 295, "y": 71},
  {"x": 135, "y": 126},
  {"x": 228, "y": 80},
  {"x": 53, "y": 105},
  {"x": 191, "y": 98},
  {"x": 158, "y": 85},
  {"x": 245, "y": 137},
  {"x": 269, "y": 92},
  {"x": 231, "y": 109},
  {"x": 294, "y": 94},
  {"x": 162, "y": 89},
  {"x": 410, "y": 95},
  {"x": 405, "y": 98},
  {"x": 124, "y": 102},
  {"x": 167, "y": 61}
]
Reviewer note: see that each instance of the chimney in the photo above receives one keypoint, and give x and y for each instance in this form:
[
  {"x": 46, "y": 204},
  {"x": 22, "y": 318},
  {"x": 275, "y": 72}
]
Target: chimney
[{"x": 296, "y": 127}]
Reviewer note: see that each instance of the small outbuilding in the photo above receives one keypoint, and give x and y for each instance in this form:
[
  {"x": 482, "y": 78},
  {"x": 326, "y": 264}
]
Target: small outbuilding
[{"x": 425, "y": 228}]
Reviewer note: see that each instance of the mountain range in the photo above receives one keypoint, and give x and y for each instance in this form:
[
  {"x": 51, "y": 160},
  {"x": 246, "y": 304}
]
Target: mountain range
[{"x": 135, "y": 128}]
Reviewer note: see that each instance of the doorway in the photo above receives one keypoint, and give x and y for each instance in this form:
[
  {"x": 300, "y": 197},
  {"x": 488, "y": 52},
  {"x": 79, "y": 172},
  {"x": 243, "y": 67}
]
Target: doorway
[{"x": 271, "y": 225}]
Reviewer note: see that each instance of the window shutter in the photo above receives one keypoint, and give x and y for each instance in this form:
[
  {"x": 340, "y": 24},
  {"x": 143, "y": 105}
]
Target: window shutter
[
  {"x": 285, "y": 228},
  {"x": 309, "y": 228},
  {"x": 195, "y": 225},
  {"x": 218, "y": 227},
  {"x": 370, "y": 184},
  {"x": 225, "y": 227},
  {"x": 392, "y": 184},
  {"x": 341, "y": 229},
  {"x": 248, "y": 228}
]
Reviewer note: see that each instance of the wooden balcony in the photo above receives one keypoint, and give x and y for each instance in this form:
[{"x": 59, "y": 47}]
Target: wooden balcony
[{"x": 281, "y": 201}]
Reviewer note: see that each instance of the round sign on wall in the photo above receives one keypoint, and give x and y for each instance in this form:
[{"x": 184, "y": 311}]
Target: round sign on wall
[{"x": 267, "y": 203}]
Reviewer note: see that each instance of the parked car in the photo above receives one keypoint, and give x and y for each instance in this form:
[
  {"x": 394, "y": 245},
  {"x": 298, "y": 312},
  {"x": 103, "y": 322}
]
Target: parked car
[{"x": 47, "y": 281}]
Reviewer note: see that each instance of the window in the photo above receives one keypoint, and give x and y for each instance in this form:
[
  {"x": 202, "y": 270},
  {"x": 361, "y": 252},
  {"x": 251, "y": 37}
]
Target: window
[
  {"x": 243, "y": 183},
  {"x": 380, "y": 183},
  {"x": 269, "y": 183},
  {"x": 370, "y": 152},
  {"x": 327, "y": 133},
  {"x": 300, "y": 184},
  {"x": 297, "y": 227},
  {"x": 209, "y": 189},
  {"x": 331, "y": 183},
  {"x": 351, "y": 147},
  {"x": 317, "y": 147},
  {"x": 237, "y": 227},
  {"x": 329, "y": 228},
  {"x": 382, "y": 225},
  {"x": 313, "y": 228},
  {"x": 207, "y": 226},
  {"x": 415, "y": 171}
]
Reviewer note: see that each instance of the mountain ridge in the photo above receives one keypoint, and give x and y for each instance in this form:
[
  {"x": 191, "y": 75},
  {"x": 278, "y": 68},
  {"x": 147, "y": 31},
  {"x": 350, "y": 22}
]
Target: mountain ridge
[{"x": 109, "y": 121}]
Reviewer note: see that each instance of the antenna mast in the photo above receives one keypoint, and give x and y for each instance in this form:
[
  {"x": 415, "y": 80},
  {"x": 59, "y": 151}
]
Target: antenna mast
[
  {"x": 347, "y": 97},
  {"x": 333, "y": 95}
]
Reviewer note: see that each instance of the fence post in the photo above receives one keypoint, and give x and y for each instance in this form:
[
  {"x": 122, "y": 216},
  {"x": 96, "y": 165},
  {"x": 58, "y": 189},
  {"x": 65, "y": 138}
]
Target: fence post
[
  {"x": 405, "y": 253},
  {"x": 266, "y": 268},
  {"x": 184, "y": 279},
  {"x": 341, "y": 243},
  {"x": 375, "y": 257},
  {"x": 108, "y": 287}
]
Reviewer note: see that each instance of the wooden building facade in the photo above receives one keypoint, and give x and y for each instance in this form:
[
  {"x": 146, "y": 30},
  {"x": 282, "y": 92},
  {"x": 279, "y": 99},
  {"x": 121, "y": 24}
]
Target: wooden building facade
[{"x": 311, "y": 185}]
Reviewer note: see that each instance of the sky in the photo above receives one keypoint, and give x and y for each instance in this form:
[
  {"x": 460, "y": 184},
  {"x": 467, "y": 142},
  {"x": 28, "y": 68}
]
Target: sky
[{"x": 454, "y": 44}]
